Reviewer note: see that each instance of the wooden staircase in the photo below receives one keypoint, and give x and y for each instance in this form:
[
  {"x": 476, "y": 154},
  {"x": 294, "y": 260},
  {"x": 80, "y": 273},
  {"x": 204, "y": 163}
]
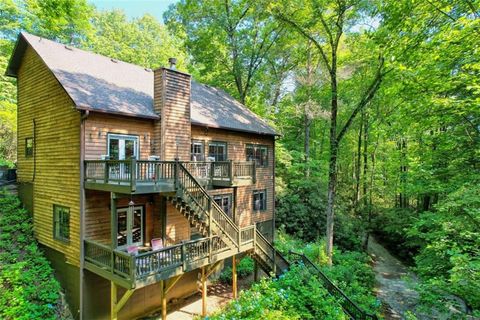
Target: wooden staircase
[{"x": 193, "y": 201}]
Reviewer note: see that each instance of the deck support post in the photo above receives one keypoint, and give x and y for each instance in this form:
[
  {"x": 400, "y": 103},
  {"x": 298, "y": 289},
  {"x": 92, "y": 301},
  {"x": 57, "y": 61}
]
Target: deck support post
[
  {"x": 234, "y": 277},
  {"x": 163, "y": 297},
  {"x": 117, "y": 305},
  {"x": 165, "y": 286},
  {"x": 255, "y": 270},
  {"x": 113, "y": 227},
  {"x": 204, "y": 292}
]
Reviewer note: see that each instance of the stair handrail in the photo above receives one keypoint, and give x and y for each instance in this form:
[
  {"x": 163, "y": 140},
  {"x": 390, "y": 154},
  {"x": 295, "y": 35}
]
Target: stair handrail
[
  {"x": 212, "y": 203},
  {"x": 274, "y": 252},
  {"x": 347, "y": 304}
]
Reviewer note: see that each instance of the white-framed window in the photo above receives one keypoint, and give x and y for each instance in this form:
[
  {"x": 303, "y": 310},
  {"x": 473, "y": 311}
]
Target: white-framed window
[
  {"x": 122, "y": 146},
  {"x": 197, "y": 150}
]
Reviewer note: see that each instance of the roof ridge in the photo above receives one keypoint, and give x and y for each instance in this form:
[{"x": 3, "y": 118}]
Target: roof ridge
[{"x": 103, "y": 56}]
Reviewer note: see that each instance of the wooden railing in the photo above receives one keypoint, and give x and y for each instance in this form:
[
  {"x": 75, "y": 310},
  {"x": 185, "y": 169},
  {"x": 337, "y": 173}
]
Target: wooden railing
[
  {"x": 128, "y": 172},
  {"x": 273, "y": 259},
  {"x": 137, "y": 267},
  {"x": 190, "y": 190},
  {"x": 132, "y": 171},
  {"x": 228, "y": 171},
  {"x": 350, "y": 307}
]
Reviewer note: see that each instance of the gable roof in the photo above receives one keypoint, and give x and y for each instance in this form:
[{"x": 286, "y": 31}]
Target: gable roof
[{"x": 98, "y": 83}]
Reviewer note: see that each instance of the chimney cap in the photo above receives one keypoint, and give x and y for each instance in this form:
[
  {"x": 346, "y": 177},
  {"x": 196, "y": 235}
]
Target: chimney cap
[{"x": 172, "y": 61}]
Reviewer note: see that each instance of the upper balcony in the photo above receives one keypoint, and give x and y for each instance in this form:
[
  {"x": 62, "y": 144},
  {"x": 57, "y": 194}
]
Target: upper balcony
[{"x": 147, "y": 176}]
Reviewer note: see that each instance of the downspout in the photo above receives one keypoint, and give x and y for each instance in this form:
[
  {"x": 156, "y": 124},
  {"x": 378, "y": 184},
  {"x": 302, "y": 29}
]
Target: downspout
[
  {"x": 34, "y": 149},
  {"x": 83, "y": 118},
  {"x": 274, "y": 197}
]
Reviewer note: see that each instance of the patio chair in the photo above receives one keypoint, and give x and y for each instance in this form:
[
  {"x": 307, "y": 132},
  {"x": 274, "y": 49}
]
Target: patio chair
[
  {"x": 133, "y": 250},
  {"x": 157, "y": 243}
]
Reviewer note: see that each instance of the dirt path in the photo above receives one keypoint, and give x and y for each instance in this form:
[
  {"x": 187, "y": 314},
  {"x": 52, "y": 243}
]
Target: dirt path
[{"x": 395, "y": 286}]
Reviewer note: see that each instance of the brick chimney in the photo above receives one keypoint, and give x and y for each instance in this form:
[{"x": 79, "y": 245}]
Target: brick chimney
[{"x": 171, "y": 100}]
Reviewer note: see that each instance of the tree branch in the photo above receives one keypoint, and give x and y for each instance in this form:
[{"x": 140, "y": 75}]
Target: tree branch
[
  {"x": 368, "y": 96},
  {"x": 308, "y": 36}
]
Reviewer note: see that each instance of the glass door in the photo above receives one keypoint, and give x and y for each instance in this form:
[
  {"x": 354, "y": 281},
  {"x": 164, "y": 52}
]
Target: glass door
[
  {"x": 121, "y": 147},
  {"x": 129, "y": 229}
]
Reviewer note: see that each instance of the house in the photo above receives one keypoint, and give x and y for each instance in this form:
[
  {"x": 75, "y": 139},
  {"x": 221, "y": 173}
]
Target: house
[{"x": 141, "y": 182}]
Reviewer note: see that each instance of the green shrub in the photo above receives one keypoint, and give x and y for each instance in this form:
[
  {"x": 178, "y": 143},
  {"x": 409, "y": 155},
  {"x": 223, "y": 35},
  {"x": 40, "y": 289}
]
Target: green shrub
[
  {"x": 294, "y": 295},
  {"x": 351, "y": 270},
  {"x": 28, "y": 289},
  {"x": 244, "y": 269}
]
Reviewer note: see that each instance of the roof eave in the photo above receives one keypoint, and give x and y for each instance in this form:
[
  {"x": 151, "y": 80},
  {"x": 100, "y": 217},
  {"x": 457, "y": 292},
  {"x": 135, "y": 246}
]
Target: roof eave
[
  {"x": 196, "y": 123},
  {"x": 16, "y": 57},
  {"x": 125, "y": 114}
]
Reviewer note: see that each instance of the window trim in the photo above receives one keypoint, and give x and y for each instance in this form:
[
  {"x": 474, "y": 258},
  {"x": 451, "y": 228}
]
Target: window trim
[
  {"x": 142, "y": 226},
  {"x": 258, "y": 191},
  {"x": 255, "y": 147},
  {"x": 213, "y": 142},
  {"x": 223, "y": 195},
  {"x": 56, "y": 221},
  {"x": 27, "y": 153},
  {"x": 136, "y": 138},
  {"x": 202, "y": 142}
]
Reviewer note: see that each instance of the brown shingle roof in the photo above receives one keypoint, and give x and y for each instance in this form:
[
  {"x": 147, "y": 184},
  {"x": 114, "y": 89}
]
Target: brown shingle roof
[{"x": 98, "y": 83}]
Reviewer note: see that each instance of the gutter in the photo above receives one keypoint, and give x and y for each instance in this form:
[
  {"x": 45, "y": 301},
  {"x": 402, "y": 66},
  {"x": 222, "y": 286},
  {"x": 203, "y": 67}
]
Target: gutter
[{"x": 83, "y": 119}]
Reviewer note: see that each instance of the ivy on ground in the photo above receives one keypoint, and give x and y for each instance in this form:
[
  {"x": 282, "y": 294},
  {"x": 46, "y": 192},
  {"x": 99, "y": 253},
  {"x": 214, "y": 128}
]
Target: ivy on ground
[{"x": 28, "y": 289}]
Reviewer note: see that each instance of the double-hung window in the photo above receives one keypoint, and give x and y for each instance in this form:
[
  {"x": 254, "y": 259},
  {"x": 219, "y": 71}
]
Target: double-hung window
[
  {"x": 61, "y": 223},
  {"x": 225, "y": 202},
  {"x": 260, "y": 200},
  {"x": 217, "y": 151},
  {"x": 197, "y": 150},
  {"x": 28, "y": 147},
  {"x": 257, "y": 153}
]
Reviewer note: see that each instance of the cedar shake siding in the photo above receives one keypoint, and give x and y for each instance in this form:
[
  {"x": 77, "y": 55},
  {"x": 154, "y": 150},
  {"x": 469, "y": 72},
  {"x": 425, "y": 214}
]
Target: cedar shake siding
[
  {"x": 54, "y": 167},
  {"x": 172, "y": 102},
  {"x": 236, "y": 144},
  {"x": 98, "y": 126}
]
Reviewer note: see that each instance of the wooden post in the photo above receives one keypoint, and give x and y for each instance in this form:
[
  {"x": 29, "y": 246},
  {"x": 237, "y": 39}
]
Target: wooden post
[
  {"x": 255, "y": 270},
  {"x": 105, "y": 173},
  {"x": 133, "y": 174},
  {"x": 254, "y": 172},
  {"x": 234, "y": 276},
  {"x": 210, "y": 218},
  {"x": 115, "y": 305},
  {"x": 113, "y": 300},
  {"x": 164, "y": 299},
  {"x": 113, "y": 226},
  {"x": 230, "y": 171},
  {"x": 204, "y": 293}
]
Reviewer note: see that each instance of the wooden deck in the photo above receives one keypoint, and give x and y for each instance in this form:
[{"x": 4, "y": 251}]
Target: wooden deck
[
  {"x": 142, "y": 176},
  {"x": 136, "y": 271}
]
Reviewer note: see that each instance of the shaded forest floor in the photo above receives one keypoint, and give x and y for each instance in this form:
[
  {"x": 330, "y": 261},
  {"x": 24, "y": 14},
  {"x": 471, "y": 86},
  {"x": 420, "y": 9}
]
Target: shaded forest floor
[{"x": 395, "y": 286}]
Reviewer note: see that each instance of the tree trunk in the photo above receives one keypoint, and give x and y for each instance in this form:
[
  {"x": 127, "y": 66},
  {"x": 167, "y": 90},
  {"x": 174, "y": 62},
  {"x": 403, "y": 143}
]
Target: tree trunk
[
  {"x": 332, "y": 167},
  {"x": 307, "y": 123},
  {"x": 356, "y": 197},
  {"x": 365, "y": 158}
]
